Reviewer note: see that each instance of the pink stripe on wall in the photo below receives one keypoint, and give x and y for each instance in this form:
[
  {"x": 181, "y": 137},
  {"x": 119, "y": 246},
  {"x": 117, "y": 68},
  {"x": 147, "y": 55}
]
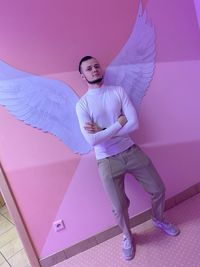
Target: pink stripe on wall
[
  {"x": 171, "y": 105},
  {"x": 177, "y": 30},
  {"x": 197, "y": 7}
]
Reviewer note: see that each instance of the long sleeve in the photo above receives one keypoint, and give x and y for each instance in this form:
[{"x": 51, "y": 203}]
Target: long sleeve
[
  {"x": 96, "y": 138},
  {"x": 129, "y": 111}
]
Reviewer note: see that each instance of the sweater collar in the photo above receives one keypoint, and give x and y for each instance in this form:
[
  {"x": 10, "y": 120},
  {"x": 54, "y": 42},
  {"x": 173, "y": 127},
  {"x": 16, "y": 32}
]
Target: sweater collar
[{"x": 98, "y": 90}]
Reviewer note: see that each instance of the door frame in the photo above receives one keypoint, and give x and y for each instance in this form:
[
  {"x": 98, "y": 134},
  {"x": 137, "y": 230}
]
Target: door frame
[{"x": 17, "y": 217}]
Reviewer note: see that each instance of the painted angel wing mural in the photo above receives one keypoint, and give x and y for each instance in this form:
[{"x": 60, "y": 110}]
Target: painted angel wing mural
[
  {"x": 46, "y": 104},
  {"x": 49, "y": 105},
  {"x": 133, "y": 67}
]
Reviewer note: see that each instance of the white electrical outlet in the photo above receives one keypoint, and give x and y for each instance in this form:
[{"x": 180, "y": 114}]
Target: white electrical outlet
[{"x": 58, "y": 225}]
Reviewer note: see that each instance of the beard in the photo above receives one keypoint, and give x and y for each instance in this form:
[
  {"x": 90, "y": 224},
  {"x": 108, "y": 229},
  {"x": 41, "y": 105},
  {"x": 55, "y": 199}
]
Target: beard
[{"x": 97, "y": 81}]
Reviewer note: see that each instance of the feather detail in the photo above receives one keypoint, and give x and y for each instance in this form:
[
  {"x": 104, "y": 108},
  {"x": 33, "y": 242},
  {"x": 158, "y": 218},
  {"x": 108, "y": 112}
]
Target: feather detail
[
  {"x": 133, "y": 67},
  {"x": 46, "y": 104}
]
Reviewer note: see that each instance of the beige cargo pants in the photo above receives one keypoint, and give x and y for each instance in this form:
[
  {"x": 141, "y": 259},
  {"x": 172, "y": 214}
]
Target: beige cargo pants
[{"x": 112, "y": 171}]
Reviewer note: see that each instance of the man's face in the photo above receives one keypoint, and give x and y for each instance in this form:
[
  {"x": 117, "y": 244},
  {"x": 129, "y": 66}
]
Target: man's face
[{"x": 91, "y": 71}]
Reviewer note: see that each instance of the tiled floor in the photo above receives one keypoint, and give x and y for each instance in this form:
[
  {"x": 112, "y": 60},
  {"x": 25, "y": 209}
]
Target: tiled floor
[
  {"x": 11, "y": 249},
  {"x": 154, "y": 248}
]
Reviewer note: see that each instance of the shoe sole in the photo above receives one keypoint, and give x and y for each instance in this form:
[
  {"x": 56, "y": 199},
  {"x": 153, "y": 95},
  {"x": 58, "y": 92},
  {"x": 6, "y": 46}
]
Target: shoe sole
[
  {"x": 131, "y": 257},
  {"x": 167, "y": 233}
]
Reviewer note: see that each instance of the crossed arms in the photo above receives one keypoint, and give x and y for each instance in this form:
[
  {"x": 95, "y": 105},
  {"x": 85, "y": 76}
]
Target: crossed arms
[{"x": 126, "y": 123}]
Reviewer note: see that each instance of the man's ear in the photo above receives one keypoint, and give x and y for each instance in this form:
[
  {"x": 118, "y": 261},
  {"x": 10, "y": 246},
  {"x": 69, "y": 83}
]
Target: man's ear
[{"x": 82, "y": 76}]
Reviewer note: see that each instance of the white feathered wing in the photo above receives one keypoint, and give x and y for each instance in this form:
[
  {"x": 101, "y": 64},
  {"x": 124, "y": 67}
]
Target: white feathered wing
[
  {"x": 46, "y": 104},
  {"x": 133, "y": 67}
]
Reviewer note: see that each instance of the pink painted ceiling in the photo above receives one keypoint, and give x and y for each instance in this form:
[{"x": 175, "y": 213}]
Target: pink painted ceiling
[{"x": 51, "y": 36}]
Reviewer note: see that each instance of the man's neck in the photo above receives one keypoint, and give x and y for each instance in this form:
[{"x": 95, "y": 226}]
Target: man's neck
[{"x": 95, "y": 85}]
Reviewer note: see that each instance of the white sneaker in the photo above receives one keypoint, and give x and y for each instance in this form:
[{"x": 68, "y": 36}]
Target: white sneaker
[
  {"x": 128, "y": 248},
  {"x": 166, "y": 227}
]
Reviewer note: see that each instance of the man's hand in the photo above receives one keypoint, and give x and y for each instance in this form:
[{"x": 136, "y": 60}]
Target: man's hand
[
  {"x": 92, "y": 128},
  {"x": 122, "y": 120}
]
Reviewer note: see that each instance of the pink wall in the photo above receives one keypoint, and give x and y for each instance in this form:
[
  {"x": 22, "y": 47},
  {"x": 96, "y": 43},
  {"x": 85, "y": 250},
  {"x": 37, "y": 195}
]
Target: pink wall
[
  {"x": 170, "y": 135},
  {"x": 48, "y": 180}
]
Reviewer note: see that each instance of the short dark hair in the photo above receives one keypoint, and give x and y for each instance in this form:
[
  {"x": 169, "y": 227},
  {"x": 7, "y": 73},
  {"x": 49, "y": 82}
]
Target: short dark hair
[{"x": 82, "y": 60}]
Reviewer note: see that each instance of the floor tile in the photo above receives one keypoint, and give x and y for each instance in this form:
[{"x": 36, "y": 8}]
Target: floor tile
[
  {"x": 19, "y": 260},
  {"x": 2, "y": 259},
  {"x": 8, "y": 236},
  {"x": 11, "y": 248},
  {"x": 3, "y": 209},
  {"x": 5, "y": 225},
  {"x": 8, "y": 217},
  {"x": 2, "y": 218},
  {"x": 10, "y": 244},
  {"x": 4, "y": 264}
]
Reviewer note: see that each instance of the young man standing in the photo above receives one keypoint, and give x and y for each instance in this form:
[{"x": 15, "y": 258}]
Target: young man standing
[{"x": 107, "y": 117}]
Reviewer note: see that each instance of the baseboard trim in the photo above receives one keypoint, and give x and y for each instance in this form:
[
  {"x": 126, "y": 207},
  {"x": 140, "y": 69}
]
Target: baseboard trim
[{"x": 111, "y": 232}]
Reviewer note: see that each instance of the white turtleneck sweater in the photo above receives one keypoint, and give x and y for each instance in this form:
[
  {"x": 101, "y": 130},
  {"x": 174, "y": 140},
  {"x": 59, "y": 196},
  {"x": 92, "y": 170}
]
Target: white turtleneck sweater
[{"x": 103, "y": 106}]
